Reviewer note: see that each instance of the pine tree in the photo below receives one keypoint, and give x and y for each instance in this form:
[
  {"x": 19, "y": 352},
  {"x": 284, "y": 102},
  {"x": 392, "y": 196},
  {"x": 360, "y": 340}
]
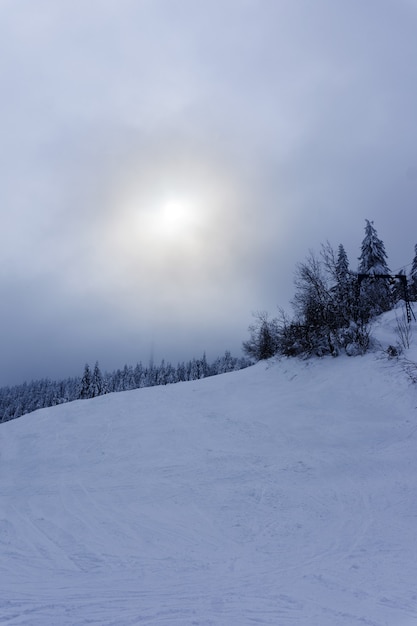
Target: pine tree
[
  {"x": 345, "y": 291},
  {"x": 203, "y": 367},
  {"x": 193, "y": 375},
  {"x": 138, "y": 374},
  {"x": 342, "y": 266},
  {"x": 170, "y": 374},
  {"x": 375, "y": 296},
  {"x": 97, "y": 382},
  {"x": 373, "y": 256},
  {"x": 86, "y": 382},
  {"x": 128, "y": 378},
  {"x": 181, "y": 373},
  {"x": 161, "y": 374}
]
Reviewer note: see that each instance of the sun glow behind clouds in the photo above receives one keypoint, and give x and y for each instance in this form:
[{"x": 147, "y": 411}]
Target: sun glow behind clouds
[
  {"x": 168, "y": 227},
  {"x": 172, "y": 241},
  {"x": 171, "y": 216},
  {"x": 177, "y": 218},
  {"x": 154, "y": 228}
]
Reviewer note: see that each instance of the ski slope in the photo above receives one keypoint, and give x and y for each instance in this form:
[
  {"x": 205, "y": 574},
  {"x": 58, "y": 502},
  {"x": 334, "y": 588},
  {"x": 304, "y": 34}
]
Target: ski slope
[{"x": 283, "y": 494}]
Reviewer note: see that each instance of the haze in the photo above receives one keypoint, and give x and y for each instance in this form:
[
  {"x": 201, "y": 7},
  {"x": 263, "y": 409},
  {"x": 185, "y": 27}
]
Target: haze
[{"x": 166, "y": 163}]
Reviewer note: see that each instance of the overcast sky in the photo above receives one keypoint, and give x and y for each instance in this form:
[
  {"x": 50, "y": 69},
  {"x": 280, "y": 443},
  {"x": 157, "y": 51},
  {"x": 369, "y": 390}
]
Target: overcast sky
[{"x": 166, "y": 163}]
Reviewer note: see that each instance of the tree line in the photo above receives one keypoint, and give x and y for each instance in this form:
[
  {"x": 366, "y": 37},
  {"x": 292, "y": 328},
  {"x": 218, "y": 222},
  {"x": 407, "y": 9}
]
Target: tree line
[
  {"x": 333, "y": 305},
  {"x": 28, "y": 397},
  {"x": 332, "y": 312}
]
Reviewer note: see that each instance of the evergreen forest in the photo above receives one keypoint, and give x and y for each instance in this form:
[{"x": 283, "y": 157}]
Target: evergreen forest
[{"x": 19, "y": 400}]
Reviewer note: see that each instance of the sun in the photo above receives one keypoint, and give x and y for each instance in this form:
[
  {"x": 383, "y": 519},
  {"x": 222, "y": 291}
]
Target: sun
[
  {"x": 167, "y": 228},
  {"x": 154, "y": 228},
  {"x": 162, "y": 232},
  {"x": 173, "y": 221},
  {"x": 175, "y": 217}
]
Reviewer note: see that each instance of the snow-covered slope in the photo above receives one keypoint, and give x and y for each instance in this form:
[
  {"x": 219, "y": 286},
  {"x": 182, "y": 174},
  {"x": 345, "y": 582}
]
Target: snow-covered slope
[{"x": 284, "y": 494}]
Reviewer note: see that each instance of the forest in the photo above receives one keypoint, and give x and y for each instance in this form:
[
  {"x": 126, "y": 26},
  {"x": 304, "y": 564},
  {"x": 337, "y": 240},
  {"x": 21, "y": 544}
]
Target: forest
[
  {"x": 19, "y": 400},
  {"x": 333, "y": 305}
]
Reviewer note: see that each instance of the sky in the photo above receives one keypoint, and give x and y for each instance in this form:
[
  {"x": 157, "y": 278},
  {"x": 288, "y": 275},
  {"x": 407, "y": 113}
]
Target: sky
[{"x": 165, "y": 164}]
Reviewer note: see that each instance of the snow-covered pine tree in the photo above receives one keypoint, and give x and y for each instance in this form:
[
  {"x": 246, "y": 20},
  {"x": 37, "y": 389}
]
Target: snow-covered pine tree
[
  {"x": 170, "y": 374},
  {"x": 345, "y": 291},
  {"x": 373, "y": 256},
  {"x": 342, "y": 266},
  {"x": 86, "y": 381},
  {"x": 161, "y": 374},
  {"x": 97, "y": 382},
  {"x": 128, "y": 378},
  {"x": 139, "y": 374},
  {"x": 181, "y": 373},
  {"x": 203, "y": 367},
  {"x": 193, "y": 369},
  {"x": 376, "y": 294}
]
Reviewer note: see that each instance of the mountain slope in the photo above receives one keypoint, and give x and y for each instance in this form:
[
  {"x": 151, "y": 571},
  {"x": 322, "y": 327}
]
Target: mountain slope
[{"x": 280, "y": 494}]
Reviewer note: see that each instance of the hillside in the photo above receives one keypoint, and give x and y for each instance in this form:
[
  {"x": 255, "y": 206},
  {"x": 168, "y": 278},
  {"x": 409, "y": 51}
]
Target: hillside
[{"x": 283, "y": 494}]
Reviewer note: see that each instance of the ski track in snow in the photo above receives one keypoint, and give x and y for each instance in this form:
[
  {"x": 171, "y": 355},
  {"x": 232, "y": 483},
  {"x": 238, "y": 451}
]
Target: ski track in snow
[{"x": 282, "y": 494}]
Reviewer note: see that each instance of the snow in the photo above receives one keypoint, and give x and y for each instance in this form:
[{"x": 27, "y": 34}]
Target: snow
[{"x": 283, "y": 494}]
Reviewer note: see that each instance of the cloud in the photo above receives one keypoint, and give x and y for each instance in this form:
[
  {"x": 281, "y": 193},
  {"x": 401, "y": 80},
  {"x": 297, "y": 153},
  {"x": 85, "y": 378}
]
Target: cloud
[{"x": 282, "y": 124}]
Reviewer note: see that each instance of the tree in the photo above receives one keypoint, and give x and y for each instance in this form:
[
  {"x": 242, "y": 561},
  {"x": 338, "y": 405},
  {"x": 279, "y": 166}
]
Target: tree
[
  {"x": 325, "y": 306},
  {"x": 86, "y": 383},
  {"x": 375, "y": 293},
  {"x": 373, "y": 256},
  {"x": 313, "y": 297},
  {"x": 27, "y": 397},
  {"x": 342, "y": 267},
  {"x": 97, "y": 382},
  {"x": 345, "y": 290},
  {"x": 263, "y": 341},
  {"x": 314, "y": 304}
]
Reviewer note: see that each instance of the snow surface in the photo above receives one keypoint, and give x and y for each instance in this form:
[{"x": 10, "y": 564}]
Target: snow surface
[{"x": 283, "y": 494}]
